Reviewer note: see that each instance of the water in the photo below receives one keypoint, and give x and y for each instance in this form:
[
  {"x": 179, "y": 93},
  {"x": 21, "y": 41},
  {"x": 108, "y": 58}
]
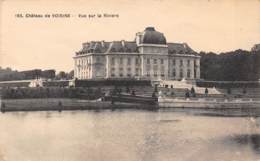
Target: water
[{"x": 127, "y": 135}]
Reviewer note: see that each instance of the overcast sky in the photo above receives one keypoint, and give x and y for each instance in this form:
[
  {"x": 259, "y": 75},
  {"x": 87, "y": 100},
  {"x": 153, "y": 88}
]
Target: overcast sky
[{"x": 50, "y": 43}]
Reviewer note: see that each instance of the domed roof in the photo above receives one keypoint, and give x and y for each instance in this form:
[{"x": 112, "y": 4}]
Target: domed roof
[{"x": 151, "y": 36}]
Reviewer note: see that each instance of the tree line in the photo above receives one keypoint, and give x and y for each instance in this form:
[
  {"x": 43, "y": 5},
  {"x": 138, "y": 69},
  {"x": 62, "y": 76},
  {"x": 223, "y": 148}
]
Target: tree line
[
  {"x": 7, "y": 74},
  {"x": 238, "y": 65}
]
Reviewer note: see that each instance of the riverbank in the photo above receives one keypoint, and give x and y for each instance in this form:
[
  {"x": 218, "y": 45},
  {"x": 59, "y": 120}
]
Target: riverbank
[
  {"x": 209, "y": 103},
  {"x": 59, "y": 104}
]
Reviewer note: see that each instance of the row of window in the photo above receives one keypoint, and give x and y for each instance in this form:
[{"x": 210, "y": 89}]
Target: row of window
[
  {"x": 155, "y": 61},
  {"x": 83, "y": 75},
  {"x": 137, "y": 61},
  {"x": 182, "y": 75},
  {"x": 122, "y": 75},
  {"x": 83, "y": 61},
  {"x": 137, "y": 70},
  {"x": 155, "y": 75},
  {"x": 181, "y": 62},
  {"x": 129, "y": 61}
]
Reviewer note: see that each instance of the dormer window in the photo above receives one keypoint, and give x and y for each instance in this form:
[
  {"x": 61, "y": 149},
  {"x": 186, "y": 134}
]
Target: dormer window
[{"x": 113, "y": 49}]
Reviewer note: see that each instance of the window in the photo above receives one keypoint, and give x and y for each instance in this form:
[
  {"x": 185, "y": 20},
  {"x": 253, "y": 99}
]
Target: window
[
  {"x": 181, "y": 73},
  {"x": 188, "y": 73},
  {"x": 173, "y": 62},
  {"x": 98, "y": 59},
  {"x": 112, "y": 69},
  {"x": 129, "y": 75},
  {"x": 155, "y": 61},
  {"x": 148, "y": 60},
  {"x": 121, "y": 72},
  {"x": 173, "y": 73},
  {"x": 195, "y": 73},
  {"x": 181, "y": 63},
  {"x": 162, "y": 69},
  {"x": 128, "y": 61},
  {"x": 162, "y": 74},
  {"x": 129, "y": 69},
  {"x": 162, "y": 61},
  {"x": 148, "y": 73},
  {"x": 112, "y": 75},
  {"x": 136, "y": 61},
  {"x": 155, "y": 74},
  {"x": 188, "y": 63},
  {"x": 113, "y": 61},
  {"x": 136, "y": 71},
  {"x": 121, "y": 61}
]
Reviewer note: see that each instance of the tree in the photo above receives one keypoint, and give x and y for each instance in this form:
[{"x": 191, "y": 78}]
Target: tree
[
  {"x": 71, "y": 74},
  {"x": 238, "y": 65},
  {"x": 61, "y": 75},
  {"x": 50, "y": 74}
]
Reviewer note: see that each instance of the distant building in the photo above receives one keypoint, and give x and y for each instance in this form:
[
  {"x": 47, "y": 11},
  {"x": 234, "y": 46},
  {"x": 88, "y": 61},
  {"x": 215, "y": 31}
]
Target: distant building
[
  {"x": 148, "y": 57},
  {"x": 256, "y": 47},
  {"x": 38, "y": 73}
]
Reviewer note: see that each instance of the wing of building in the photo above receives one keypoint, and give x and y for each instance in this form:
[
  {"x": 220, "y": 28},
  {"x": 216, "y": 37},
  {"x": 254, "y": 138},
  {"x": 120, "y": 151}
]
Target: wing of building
[{"x": 149, "y": 56}]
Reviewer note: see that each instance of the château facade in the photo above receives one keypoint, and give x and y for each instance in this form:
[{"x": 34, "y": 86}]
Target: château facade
[{"x": 148, "y": 57}]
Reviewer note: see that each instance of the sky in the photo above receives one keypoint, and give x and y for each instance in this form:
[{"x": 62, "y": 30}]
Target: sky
[{"x": 50, "y": 43}]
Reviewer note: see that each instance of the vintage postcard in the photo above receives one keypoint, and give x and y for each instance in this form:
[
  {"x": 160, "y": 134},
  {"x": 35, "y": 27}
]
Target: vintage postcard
[{"x": 129, "y": 80}]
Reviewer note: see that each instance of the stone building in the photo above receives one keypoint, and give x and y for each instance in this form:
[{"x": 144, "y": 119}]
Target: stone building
[{"x": 148, "y": 57}]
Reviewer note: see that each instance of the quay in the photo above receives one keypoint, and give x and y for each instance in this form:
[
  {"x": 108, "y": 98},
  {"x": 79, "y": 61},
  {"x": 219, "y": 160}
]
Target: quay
[{"x": 213, "y": 103}]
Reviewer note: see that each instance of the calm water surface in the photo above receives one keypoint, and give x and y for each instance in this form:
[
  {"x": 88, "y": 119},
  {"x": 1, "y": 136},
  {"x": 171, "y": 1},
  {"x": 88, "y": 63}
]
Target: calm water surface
[{"x": 127, "y": 135}]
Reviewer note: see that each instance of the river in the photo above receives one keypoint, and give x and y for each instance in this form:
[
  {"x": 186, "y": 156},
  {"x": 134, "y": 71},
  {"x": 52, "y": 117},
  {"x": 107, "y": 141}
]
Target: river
[{"x": 127, "y": 135}]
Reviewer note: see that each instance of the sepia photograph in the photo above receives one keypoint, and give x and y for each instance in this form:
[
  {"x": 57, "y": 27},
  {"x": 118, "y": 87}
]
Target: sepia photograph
[{"x": 129, "y": 80}]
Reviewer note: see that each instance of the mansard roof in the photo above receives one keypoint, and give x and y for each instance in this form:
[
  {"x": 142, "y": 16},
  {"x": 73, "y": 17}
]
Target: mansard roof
[
  {"x": 179, "y": 48},
  {"x": 95, "y": 47},
  {"x": 148, "y": 37},
  {"x": 129, "y": 47},
  {"x": 107, "y": 47},
  {"x": 123, "y": 46}
]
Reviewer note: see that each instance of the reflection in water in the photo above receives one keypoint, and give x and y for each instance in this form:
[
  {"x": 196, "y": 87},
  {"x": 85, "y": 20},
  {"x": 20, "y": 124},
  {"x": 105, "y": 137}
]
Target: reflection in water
[{"x": 128, "y": 135}]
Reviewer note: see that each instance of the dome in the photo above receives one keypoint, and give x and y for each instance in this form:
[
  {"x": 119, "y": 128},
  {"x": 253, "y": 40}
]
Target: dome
[{"x": 151, "y": 36}]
